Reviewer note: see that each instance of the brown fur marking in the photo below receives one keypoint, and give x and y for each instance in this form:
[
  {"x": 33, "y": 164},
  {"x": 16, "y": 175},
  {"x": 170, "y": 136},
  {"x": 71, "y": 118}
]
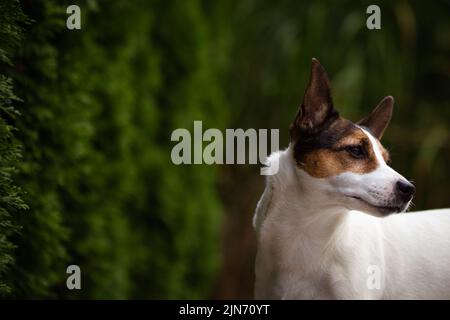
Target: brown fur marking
[{"x": 325, "y": 155}]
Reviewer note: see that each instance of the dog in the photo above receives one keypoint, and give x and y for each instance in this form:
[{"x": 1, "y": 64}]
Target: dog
[{"x": 326, "y": 225}]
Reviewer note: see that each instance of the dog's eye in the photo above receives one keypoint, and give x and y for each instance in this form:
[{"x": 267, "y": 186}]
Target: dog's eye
[{"x": 356, "y": 151}]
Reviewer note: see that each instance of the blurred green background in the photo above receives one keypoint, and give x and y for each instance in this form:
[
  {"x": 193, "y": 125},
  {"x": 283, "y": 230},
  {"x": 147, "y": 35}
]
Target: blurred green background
[{"x": 86, "y": 117}]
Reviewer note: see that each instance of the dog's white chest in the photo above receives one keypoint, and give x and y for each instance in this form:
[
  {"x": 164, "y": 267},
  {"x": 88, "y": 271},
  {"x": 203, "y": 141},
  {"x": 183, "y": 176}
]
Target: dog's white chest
[{"x": 399, "y": 257}]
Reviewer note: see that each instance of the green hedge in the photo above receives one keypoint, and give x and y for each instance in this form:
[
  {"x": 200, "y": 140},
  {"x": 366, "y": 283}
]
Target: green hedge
[
  {"x": 10, "y": 150},
  {"x": 97, "y": 109}
]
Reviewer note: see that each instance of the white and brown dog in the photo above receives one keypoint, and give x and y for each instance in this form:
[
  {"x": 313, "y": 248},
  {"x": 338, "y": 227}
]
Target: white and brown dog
[{"x": 323, "y": 223}]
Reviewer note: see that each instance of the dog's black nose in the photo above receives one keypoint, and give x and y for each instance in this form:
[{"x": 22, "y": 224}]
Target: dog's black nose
[{"x": 405, "y": 189}]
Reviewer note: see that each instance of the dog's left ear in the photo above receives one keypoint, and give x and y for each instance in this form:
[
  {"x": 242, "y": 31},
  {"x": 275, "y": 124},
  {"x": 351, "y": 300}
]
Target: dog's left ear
[
  {"x": 379, "y": 119},
  {"x": 317, "y": 107}
]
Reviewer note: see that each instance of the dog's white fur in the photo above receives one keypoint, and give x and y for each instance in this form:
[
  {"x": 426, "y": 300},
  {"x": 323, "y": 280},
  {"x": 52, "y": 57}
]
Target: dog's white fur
[{"x": 312, "y": 244}]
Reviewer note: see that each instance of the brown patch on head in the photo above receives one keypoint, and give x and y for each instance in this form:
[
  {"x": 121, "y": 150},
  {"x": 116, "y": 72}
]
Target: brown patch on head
[
  {"x": 352, "y": 138},
  {"x": 342, "y": 147}
]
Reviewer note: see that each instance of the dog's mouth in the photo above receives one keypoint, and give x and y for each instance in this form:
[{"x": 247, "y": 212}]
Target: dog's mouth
[{"x": 382, "y": 209}]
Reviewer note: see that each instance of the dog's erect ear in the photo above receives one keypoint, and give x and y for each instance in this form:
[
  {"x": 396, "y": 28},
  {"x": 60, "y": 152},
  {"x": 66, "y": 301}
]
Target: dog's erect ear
[
  {"x": 378, "y": 120},
  {"x": 317, "y": 106}
]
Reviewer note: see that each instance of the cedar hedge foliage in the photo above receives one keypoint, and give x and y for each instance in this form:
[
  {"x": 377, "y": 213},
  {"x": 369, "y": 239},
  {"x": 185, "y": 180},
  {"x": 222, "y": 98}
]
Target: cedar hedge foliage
[
  {"x": 10, "y": 149},
  {"x": 86, "y": 147}
]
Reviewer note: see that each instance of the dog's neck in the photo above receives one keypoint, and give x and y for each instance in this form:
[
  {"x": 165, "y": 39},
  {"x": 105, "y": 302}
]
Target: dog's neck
[
  {"x": 298, "y": 208},
  {"x": 296, "y": 224},
  {"x": 297, "y": 196}
]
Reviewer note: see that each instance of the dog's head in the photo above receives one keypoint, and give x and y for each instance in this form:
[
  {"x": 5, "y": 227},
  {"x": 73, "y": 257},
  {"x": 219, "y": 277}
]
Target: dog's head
[{"x": 344, "y": 159}]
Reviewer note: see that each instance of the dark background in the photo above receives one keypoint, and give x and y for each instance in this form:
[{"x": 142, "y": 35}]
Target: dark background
[{"x": 86, "y": 118}]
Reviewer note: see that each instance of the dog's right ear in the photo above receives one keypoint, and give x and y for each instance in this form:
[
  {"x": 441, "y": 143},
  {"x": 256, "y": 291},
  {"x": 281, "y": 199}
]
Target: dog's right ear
[{"x": 317, "y": 106}]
